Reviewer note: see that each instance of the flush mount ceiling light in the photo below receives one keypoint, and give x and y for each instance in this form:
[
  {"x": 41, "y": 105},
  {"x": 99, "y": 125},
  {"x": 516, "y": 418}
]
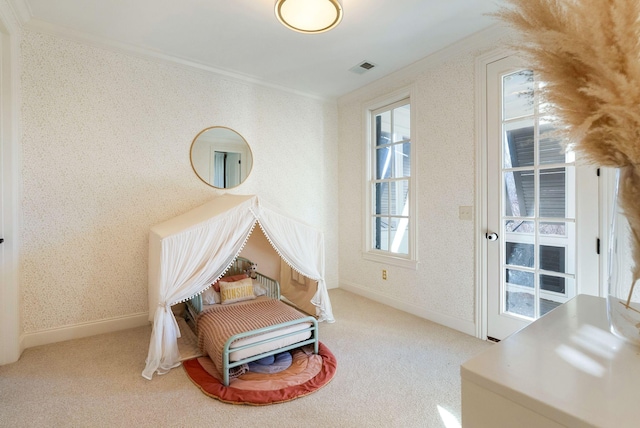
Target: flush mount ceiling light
[{"x": 309, "y": 16}]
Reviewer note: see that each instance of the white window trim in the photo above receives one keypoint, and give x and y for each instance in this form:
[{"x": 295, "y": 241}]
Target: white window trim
[{"x": 409, "y": 261}]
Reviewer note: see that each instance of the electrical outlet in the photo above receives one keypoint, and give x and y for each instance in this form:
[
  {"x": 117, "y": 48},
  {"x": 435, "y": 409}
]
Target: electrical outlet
[
  {"x": 384, "y": 274},
  {"x": 465, "y": 212}
]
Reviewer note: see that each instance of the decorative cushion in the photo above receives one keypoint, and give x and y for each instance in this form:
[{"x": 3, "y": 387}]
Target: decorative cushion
[
  {"x": 231, "y": 292},
  {"x": 210, "y": 296},
  {"x": 232, "y": 278},
  {"x": 259, "y": 289},
  {"x": 273, "y": 364}
]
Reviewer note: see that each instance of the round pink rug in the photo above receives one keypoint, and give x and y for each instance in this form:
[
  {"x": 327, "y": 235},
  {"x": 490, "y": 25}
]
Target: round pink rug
[{"x": 308, "y": 373}]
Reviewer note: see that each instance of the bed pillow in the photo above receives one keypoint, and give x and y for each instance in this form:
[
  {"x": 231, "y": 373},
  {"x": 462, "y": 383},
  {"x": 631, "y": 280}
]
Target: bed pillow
[
  {"x": 231, "y": 292},
  {"x": 210, "y": 296},
  {"x": 232, "y": 278},
  {"x": 259, "y": 289}
]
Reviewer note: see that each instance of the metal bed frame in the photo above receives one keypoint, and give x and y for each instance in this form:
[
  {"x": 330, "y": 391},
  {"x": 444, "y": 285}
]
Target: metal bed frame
[{"x": 240, "y": 265}]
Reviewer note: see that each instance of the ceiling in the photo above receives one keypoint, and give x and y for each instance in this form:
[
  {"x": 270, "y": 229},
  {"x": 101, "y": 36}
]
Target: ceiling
[{"x": 243, "y": 37}]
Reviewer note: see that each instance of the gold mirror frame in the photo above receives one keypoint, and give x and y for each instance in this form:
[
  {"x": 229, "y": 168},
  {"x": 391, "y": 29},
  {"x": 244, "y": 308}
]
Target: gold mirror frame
[{"x": 221, "y": 157}]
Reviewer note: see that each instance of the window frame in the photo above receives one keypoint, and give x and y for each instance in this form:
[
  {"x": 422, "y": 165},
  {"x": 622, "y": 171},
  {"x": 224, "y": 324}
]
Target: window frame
[{"x": 410, "y": 260}]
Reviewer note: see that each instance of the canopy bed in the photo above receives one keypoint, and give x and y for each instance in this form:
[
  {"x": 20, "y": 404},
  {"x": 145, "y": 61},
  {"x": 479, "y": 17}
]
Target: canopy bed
[
  {"x": 253, "y": 326},
  {"x": 189, "y": 253}
]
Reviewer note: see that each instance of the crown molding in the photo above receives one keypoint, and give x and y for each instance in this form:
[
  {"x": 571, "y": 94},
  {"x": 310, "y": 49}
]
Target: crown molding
[
  {"x": 12, "y": 15},
  {"x": 476, "y": 41},
  {"x": 157, "y": 56}
]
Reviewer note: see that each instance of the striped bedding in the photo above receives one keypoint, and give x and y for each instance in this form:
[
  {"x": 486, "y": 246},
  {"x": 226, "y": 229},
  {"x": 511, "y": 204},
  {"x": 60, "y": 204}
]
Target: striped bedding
[{"x": 219, "y": 322}]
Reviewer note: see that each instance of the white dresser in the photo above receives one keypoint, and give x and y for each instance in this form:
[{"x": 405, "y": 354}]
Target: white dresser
[{"x": 565, "y": 369}]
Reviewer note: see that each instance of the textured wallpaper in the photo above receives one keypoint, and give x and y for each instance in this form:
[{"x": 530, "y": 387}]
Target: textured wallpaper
[
  {"x": 444, "y": 141},
  {"x": 106, "y": 140}
]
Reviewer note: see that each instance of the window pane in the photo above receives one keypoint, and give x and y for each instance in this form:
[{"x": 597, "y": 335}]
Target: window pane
[
  {"x": 399, "y": 202},
  {"x": 399, "y": 236},
  {"x": 384, "y": 163},
  {"x": 519, "y": 198},
  {"x": 518, "y": 143},
  {"x": 402, "y": 160},
  {"x": 383, "y": 128},
  {"x": 381, "y": 233},
  {"x": 553, "y": 193},
  {"x": 402, "y": 123},
  {"x": 517, "y": 94},
  {"x": 381, "y": 198}
]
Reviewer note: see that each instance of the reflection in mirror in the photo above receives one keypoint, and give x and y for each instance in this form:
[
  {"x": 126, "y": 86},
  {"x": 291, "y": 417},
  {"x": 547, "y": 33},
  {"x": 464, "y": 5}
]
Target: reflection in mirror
[{"x": 221, "y": 157}]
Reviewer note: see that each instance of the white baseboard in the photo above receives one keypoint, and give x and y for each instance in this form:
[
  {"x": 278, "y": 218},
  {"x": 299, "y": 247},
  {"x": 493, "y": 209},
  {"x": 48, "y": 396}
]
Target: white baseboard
[
  {"x": 461, "y": 325},
  {"x": 86, "y": 329}
]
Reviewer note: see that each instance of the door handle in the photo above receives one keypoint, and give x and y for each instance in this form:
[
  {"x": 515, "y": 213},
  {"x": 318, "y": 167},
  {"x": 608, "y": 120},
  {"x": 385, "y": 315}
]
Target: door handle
[{"x": 491, "y": 236}]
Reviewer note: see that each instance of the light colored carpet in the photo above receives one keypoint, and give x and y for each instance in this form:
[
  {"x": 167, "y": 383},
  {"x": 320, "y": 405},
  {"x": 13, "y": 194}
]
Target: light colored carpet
[{"x": 394, "y": 370}]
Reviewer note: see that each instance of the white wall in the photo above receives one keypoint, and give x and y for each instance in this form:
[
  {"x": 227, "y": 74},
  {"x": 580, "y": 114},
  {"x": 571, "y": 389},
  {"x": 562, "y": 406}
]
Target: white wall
[
  {"x": 442, "y": 288},
  {"x": 106, "y": 139}
]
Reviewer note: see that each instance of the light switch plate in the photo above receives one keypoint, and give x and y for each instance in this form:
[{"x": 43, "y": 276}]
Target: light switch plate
[{"x": 465, "y": 212}]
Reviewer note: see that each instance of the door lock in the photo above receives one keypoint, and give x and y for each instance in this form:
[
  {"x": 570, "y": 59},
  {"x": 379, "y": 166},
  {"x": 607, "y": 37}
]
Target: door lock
[{"x": 491, "y": 236}]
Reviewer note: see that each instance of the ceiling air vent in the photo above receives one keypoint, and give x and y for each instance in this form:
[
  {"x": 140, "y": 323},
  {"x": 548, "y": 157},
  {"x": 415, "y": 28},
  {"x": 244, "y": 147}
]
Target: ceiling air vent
[{"x": 363, "y": 67}]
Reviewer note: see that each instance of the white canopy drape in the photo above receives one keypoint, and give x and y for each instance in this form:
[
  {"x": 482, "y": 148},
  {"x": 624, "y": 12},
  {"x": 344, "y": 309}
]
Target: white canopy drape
[{"x": 189, "y": 252}]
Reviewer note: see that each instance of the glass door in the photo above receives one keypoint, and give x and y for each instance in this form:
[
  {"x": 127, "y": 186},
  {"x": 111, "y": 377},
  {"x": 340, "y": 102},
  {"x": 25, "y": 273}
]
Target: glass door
[{"x": 532, "y": 237}]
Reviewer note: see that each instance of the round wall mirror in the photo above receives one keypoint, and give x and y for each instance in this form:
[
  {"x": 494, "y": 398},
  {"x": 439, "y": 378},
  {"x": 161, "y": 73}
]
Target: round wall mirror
[{"x": 221, "y": 157}]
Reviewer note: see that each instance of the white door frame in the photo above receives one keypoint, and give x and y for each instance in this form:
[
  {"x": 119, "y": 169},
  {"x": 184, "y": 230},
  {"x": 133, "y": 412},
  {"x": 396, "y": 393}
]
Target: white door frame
[
  {"x": 10, "y": 217},
  {"x": 481, "y": 187},
  {"x": 481, "y": 249}
]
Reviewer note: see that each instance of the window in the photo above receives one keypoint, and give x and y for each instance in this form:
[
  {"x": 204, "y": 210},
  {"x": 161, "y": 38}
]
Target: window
[{"x": 390, "y": 211}]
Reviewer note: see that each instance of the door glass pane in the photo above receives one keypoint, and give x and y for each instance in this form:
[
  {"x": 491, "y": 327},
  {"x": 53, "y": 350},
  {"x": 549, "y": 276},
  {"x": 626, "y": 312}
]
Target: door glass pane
[
  {"x": 553, "y": 193},
  {"x": 554, "y": 291},
  {"x": 550, "y": 145},
  {"x": 546, "y": 305},
  {"x": 519, "y": 195},
  {"x": 555, "y": 228},
  {"x": 553, "y": 258},
  {"x": 519, "y": 254},
  {"x": 538, "y": 254},
  {"x": 519, "y": 277},
  {"x": 557, "y": 250},
  {"x": 519, "y": 302},
  {"x": 552, "y": 283},
  {"x": 399, "y": 197},
  {"x": 517, "y": 94},
  {"x": 518, "y": 146},
  {"x": 520, "y": 226}
]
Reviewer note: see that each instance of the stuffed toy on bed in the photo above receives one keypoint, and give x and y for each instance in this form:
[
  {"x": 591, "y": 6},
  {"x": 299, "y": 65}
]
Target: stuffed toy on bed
[{"x": 251, "y": 271}]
